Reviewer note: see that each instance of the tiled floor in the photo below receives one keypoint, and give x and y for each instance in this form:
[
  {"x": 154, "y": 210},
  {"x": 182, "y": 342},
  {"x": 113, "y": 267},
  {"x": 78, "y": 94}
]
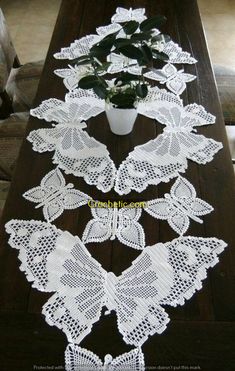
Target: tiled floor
[
  {"x": 31, "y": 23},
  {"x": 218, "y": 18}
]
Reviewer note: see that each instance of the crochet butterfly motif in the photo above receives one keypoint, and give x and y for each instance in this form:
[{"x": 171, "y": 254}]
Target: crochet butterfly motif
[
  {"x": 163, "y": 274},
  {"x": 75, "y": 151},
  {"x": 162, "y": 158},
  {"x": 159, "y": 160},
  {"x": 179, "y": 206},
  {"x": 77, "y": 357},
  {"x": 174, "y": 79},
  {"x": 55, "y": 196},
  {"x": 111, "y": 223},
  {"x": 125, "y": 15}
]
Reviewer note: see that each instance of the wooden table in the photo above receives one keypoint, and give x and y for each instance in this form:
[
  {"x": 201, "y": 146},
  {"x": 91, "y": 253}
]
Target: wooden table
[{"x": 201, "y": 333}]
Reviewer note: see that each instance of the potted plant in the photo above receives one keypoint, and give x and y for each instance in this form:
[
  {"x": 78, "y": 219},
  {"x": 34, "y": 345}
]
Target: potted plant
[{"x": 115, "y": 68}]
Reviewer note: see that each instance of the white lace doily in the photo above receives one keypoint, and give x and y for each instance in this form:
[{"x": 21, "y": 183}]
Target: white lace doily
[
  {"x": 174, "y": 79},
  {"x": 177, "y": 55},
  {"x": 73, "y": 74},
  {"x": 125, "y": 15},
  {"x": 159, "y": 160},
  {"x": 179, "y": 206},
  {"x": 55, "y": 196},
  {"x": 78, "y": 359},
  {"x": 162, "y": 158},
  {"x": 75, "y": 151},
  {"x": 79, "y": 105},
  {"x": 55, "y": 261},
  {"x": 163, "y": 274},
  {"x": 78, "y": 47},
  {"x": 111, "y": 223},
  {"x": 109, "y": 29},
  {"x": 121, "y": 63}
]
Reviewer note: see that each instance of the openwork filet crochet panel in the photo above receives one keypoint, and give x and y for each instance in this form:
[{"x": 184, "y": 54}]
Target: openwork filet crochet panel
[
  {"x": 163, "y": 274},
  {"x": 75, "y": 151},
  {"x": 78, "y": 47},
  {"x": 157, "y": 161},
  {"x": 73, "y": 74},
  {"x": 174, "y": 79},
  {"x": 126, "y": 15},
  {"x": 162, "y": 158},
  {"x": 78, "y": 359},
  {"x": 111, "y": 223},
  {"x": 79, "y": 105},
  {"x": 179, "y": 206},
  {"x": 55, "y": 196},
  {"x": 177, "y": 55}
]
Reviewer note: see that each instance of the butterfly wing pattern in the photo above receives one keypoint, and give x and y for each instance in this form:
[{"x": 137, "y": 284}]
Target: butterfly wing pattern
[
  {"x": 163, "y": 274},
  {"x": 179, "y": 206},
  {"x": 129, "y": 230},
  {"x": 77, "y": 358},
  {"x": 55, "y": 196},
  {"x": 177, "y": 55},
  {"x": 126, "y": 15},
  {"x": 75, "y": 151},
  {"x": 99, "y": 229},
  {"x": 78, "y": 47},
  {"x": 175, "y": 80},
  {"x": 73, "y": 74},
  {"x": 79, "y": 106},
  {"x": 161, "y": 159},
  {"x": 111, "y": 223},
  {"x": 120, "y": 63}
]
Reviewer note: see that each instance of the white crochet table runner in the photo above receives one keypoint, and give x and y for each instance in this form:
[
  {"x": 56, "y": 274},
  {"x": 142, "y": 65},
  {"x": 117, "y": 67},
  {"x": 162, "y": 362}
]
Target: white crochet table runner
[{"x": 163, "y": 274}]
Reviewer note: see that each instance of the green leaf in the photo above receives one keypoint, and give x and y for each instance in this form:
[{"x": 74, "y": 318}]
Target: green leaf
[
  {"x": 141, "y": 36},
  {"x": 97, "y": 51},
  {"x": 150, "y": 23},
  {"x": 89, "y": 82},
  {"x": 82, "y": 57},
  {"x": 122, "y": 42},
  {"x": 160, "y": 55},
  {"x": 147, "y": 52},
  {"x": 103, "y": 67},
  {"x": 161, "y": 37},
  {"x": 126, "y": 77},
  {"x": 79, "y": 63},
  {"x": 107, "y": 41},
  {"x": 130, "y": 27},
  {"x": 101, "y": 91},
  {"x": 122, "y": 100},
  {"x": 131, "y": 51},
  {"x": 142, "y": 90}
]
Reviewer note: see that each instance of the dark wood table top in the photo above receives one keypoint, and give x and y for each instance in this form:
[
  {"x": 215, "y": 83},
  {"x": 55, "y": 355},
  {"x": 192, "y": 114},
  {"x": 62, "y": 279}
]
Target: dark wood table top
[{"x": 201, "y": 333}]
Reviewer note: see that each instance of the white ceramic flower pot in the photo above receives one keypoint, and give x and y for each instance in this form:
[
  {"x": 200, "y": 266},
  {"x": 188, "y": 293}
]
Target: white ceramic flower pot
[{"x": 121, "y": 120}]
